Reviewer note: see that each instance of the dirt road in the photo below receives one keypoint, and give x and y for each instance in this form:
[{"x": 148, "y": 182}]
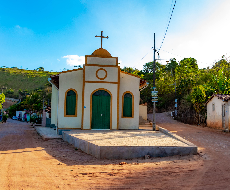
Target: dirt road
[{"x": 28, "y": 162}]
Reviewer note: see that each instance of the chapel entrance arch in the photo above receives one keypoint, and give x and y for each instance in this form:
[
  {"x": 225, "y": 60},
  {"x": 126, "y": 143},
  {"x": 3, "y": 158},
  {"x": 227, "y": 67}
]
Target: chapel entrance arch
[{"x": 100, "y": 109}]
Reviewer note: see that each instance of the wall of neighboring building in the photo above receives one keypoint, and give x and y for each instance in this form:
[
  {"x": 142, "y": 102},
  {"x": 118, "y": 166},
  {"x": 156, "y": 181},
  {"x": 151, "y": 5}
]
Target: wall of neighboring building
[
  {"x": 143, "y": 111},
  {"x": 214, "y": 113},
  {"x": 129, "y": 83},
  {"x": 229, "y": 114},
  {"x": 54, "y": 105},
  {"x": 68, "y": 80}
]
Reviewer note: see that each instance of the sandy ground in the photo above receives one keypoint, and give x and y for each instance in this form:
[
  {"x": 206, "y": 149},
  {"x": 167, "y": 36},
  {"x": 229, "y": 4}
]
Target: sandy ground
[{"x": 28, "y": 162}]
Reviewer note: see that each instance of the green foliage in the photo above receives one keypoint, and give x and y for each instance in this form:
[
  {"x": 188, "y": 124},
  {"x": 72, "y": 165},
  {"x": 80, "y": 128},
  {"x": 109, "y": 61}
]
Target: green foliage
[
  {"x": 32, "y": 102},
  {"x": 186, "y": 76},
  {"x": 193, "y": 85},
  {"x": 171, "y": 66},
  {"x": 220, "y": 82},
  {"x": 198, "y": 98},
  {"x": 2, "y": 100},
  {"x": 4, "y": 118},
  {"x": 10, "y": 93},
  {"x": 12, "y": 110}
]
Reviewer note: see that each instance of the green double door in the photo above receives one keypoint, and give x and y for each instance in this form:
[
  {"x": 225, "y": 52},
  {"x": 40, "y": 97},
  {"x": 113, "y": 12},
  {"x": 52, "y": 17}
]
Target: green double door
[{"x": 101, "y": 110}]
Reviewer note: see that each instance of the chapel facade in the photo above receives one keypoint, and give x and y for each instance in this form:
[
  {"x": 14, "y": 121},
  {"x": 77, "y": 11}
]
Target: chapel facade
[{"x": 97, "y": 96}]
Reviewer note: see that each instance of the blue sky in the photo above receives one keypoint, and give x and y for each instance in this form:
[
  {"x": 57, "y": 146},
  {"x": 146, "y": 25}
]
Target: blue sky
[{"x": 58, "y": 34}]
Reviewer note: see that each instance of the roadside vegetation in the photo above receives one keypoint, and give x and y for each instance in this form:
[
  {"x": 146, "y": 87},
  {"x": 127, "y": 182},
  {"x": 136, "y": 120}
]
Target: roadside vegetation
[
  {"x": 194, "y": 86},
  {"x": 2, "y": 100}
]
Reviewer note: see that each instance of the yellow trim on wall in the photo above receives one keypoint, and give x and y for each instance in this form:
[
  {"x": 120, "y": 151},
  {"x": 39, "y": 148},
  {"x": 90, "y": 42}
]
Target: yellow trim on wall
[
  {"x": 68, "y": 128},
  {"x": 71, "y": 70},
  {"x": 75, "y": 105},
  {"x": 100, "y": 70},
  {"x": 123, "y": 104},
  {"x": 118, "y": 98},
  {"x": 101, "y": 82},
  {"x": 83, "y": 94},
  {"x": 97, "y": 65},
  {"x": 110, "y": 105}
]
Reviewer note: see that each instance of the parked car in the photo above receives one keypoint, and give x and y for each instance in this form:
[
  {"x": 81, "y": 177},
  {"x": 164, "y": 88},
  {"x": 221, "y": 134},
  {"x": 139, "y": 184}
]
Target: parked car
[{"x": 14, "y": 118}]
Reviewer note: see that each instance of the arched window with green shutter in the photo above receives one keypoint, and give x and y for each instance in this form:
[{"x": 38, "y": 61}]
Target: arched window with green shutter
[
  {"x": 128, "y": 104},
  {"x": 71, "y": 103}
]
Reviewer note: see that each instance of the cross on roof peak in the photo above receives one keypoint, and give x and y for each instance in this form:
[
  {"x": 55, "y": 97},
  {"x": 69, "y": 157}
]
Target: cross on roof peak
[{"x": 101, "y": 36}]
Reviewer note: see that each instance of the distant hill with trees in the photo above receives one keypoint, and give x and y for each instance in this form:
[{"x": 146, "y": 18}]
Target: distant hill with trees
[
  {"x": 19, "y": 82},
  {"x": 30, "y": 86}
]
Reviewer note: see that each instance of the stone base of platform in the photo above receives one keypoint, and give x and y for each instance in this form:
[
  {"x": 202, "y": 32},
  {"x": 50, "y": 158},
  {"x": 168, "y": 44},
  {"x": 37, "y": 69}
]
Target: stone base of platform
[{"x": 128, "y": 144}]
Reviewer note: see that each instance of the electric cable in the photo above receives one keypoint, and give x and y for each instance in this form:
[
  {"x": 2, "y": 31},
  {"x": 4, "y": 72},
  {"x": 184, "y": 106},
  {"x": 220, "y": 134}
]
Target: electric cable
[{"x": 168, "y": 25}]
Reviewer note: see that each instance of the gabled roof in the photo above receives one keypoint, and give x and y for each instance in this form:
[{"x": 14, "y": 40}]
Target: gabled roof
[
  {"x": 143, "y": 84},
  {"x": 223, "y": 97},
  {"x": 54, "y": 79}
]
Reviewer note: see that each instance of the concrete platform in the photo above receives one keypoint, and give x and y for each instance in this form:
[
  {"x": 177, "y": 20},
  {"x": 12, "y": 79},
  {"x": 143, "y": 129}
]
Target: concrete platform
[
  {"x": 47, "y": 133},
  {"x": 128, "y": 144}
]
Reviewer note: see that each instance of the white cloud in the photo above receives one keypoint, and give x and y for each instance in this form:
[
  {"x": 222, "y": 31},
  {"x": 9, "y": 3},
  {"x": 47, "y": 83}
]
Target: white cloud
[
  {"x": 74, "y": 60},
  {"x": 23, "y": 30}
]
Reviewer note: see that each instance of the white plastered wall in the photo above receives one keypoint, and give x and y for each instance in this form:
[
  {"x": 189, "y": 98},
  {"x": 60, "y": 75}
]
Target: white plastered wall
[
  {"x": 54, "y": 105},
  {"x": 214, "y": 118},
  {"x": 92, "y": 73},
  {"x": 129, "y": 83},
  {"x": 89, "y": 88},
  {"x": 69, "y": 80},
  {"x": 101, "y": 61}
]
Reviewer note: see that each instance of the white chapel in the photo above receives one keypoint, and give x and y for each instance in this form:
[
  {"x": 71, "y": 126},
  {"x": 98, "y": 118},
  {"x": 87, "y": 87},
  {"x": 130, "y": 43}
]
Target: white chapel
[{"x": 97, "y": 96}]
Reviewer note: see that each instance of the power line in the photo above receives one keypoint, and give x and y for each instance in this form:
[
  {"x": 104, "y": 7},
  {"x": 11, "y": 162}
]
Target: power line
[
  {"x": 168, "y": 25},
  {"x": 170, "y": 17}
]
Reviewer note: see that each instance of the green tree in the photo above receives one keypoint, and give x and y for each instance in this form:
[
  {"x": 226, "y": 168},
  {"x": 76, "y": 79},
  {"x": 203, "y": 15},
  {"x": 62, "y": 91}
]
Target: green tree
[
  {"x": 40, "y": 69},
  {"x": 171, "y": 66},
  {"x": 33, "y": 102},
  {"x": 2, "y": 100},
  {"x": 186, "y": 74},
  {"x": 198, "y": 98}
]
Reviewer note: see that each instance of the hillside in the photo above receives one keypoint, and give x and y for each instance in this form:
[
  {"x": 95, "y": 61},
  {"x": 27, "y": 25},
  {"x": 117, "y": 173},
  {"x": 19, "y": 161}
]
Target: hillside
[{"x": 17, "y": 80}]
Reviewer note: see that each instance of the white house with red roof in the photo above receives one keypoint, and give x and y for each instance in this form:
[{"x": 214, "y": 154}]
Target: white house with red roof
[{"x": 218, "y": 111}]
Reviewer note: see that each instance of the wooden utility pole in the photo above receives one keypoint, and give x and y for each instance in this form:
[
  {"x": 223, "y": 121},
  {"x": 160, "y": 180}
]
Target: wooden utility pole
[{"x": 154, "y": 100}]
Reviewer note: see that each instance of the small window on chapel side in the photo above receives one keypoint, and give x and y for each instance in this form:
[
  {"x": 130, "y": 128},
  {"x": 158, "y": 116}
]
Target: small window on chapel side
[
  {"x": 71, "y": 104},
  {"x": 128, "y": 105},
  {"x": 213, "y": 107}
]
